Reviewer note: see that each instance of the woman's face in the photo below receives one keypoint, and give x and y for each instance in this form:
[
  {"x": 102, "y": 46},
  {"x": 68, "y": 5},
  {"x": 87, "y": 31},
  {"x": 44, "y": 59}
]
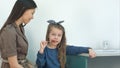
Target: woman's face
[
  {"x": 28, "y": 15},
  {"x": 55, "y": 36}
]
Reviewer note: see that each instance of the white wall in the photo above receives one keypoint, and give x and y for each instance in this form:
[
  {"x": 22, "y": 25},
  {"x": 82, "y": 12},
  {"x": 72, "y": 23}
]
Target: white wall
[{"x": 87, "y": 22}]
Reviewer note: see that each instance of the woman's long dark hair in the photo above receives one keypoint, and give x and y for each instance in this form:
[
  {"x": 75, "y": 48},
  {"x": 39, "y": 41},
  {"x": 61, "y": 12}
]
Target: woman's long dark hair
[
  {"x": 62, "y": 45},
  {"x": 19, "y": 8}
]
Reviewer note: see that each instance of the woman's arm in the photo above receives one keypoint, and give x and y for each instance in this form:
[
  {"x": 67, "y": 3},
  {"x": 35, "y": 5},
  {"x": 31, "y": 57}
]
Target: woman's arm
[{"x": 14, "y": 62}]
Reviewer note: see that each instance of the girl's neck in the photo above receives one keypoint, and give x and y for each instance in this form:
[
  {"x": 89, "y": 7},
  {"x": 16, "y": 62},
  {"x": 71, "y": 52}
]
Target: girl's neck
[{"x": 51, "y": 46}]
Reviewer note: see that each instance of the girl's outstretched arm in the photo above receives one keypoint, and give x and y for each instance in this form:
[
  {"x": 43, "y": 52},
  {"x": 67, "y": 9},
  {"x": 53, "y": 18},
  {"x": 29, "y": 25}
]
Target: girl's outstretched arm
[
  {"x": 92, "y": 53},
  {"x": 75, "y": 50}
]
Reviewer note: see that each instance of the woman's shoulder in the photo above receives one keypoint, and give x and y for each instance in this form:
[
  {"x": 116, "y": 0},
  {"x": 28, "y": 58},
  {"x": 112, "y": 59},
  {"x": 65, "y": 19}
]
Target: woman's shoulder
[{"x": 9, "y": 29}]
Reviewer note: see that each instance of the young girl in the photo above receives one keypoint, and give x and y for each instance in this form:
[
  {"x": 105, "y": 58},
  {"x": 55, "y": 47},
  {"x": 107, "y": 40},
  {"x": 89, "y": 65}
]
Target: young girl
[{"x": 53, "y": 51}]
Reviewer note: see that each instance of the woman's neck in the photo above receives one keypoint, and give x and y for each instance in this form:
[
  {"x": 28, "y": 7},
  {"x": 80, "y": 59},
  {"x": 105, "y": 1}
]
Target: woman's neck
[{"x": 18, "y": 22}]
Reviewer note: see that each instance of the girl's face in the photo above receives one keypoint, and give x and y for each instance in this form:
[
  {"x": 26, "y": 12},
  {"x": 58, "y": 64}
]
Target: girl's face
[
  {"x": 55, "y": 36},
  {"x": 28, "y": 15}
]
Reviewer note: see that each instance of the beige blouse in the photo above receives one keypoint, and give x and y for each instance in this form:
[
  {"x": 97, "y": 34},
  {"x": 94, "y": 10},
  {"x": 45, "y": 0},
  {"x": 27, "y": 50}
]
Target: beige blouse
[{"x": 13, "y": 42}]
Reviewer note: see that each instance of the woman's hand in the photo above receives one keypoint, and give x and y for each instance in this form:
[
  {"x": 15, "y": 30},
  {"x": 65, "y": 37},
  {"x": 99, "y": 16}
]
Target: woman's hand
[
  {"x": 92, "y": 53},
  {"x": 43, "y": 44},
  {"x": 18, "y": 66},
  {"x": 14, "y": 62}
]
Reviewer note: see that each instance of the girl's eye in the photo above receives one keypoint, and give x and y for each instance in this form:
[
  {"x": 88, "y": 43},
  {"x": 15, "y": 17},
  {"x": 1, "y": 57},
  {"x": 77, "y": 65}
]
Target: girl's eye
[
  {"x": 59, "y": 35},
  {"x": 53, "y": 34},
  {"x": 33, "y": 13}
]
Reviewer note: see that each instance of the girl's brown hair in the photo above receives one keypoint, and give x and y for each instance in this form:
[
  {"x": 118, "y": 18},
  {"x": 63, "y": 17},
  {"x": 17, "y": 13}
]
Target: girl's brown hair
[{"x": 62, "y": 45}]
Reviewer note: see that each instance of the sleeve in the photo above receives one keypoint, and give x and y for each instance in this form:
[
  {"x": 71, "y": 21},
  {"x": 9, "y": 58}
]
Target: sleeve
[
  {"x": 74, "y": 50},
  {"x": 0, "y": 42},
  {"x": 8, "y": 45},
  {"x": 40, "y": 60}
]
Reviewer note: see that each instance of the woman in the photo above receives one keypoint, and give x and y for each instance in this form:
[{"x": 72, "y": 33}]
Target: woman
[{"x": 14, "y": 45}]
